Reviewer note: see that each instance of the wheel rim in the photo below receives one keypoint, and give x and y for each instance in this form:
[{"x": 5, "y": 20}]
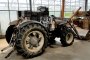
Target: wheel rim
[
  {"x": 34, "y": 41},
  {"x": 69, "y": 38}
]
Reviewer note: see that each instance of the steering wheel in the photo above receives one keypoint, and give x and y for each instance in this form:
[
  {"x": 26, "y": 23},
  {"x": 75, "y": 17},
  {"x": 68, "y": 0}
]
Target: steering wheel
[{"x": 75, "y": 13}]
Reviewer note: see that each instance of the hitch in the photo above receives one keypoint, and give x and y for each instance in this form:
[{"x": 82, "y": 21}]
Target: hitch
[
  {"x": 12, "y": 49},
  {"x": 10, "y": 53},
  {"x": 11, "y": 46}
]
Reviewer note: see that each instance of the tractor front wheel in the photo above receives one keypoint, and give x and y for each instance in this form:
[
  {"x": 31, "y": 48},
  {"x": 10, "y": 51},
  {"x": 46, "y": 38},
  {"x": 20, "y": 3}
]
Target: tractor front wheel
[{"x": 67, "y": 37}]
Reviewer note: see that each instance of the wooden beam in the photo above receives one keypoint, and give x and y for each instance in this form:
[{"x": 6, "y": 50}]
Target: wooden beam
[{"x": 62, "y": 10}]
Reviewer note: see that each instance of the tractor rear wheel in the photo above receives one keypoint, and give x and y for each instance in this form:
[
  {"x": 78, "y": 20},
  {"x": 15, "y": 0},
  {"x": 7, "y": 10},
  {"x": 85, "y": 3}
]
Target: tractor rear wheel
[{"x": 31, "y": 40}]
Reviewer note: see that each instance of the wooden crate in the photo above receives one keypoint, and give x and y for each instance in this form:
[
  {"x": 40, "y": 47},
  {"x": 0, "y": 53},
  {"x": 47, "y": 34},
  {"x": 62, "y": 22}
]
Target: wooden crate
[{"x": 85, "y": 24}]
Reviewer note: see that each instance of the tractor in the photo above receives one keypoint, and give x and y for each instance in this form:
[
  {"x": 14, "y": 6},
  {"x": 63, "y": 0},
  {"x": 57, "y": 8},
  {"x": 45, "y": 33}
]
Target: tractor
[
  {"x": 31, "y": 34},
  {"x": 34, "y": 31}
]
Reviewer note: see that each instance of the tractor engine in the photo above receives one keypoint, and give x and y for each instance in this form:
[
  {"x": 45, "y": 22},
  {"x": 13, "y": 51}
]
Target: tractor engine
[
  {"x": 41, "y": 15},
  {"x": 44, "y": 15}
]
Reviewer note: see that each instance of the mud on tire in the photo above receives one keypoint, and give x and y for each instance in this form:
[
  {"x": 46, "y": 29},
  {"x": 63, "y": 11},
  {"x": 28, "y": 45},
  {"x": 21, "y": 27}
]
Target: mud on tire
[{"x": 31, "y": 40}]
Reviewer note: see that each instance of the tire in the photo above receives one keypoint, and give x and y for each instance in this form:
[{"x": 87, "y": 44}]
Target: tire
[
  {"x": 67, "y": 37},
  {"x": 33, "y": 49},
  {"x": 9, "y": 33}
]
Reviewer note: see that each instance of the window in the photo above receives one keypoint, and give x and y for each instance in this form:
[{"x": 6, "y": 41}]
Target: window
[
  {"x": 13, "y": 15},
  {"x": 4, "y": 20},
  {"x": 51, "y": 8},
  {"x": 3, "y": 0},
  {"x": 57, "y": 14},
  {"x": 57, "y": 8},
  {"x": 45, "y": 2},
  {"x": 51, "y": 13},
  {"x": 51, "y": 2},
  {"x": 13, "y": 4}
]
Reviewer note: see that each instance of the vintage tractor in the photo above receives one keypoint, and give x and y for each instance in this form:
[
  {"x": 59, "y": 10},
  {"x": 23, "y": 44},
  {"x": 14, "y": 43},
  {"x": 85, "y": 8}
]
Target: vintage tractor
[{"x": 34, "y": 31}]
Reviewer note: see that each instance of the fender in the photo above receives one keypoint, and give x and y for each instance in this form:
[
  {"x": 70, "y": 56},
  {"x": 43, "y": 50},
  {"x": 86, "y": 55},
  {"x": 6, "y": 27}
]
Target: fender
[
  {"x": 16, "y": 22},
  {"x": 22, "y": 24}
]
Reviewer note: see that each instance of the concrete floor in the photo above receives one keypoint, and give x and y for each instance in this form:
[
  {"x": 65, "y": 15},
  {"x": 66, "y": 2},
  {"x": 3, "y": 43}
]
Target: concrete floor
[{"x": 80, "y": 50}]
